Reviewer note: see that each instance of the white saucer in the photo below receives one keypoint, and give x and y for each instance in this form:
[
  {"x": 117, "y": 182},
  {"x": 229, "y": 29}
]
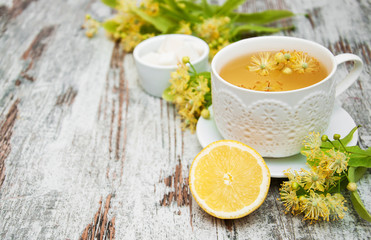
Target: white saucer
[{"x": 341, "y": 122}]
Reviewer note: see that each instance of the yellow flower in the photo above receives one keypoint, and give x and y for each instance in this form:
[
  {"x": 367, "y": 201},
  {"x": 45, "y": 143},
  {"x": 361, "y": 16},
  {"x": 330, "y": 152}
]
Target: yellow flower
[
  {"x": 290, "y": 200},
  {"x": 268, "y": 85},
  {"x": 279, "y": 57},
  {"x": 215, "y": 31},
  {"x": 188, "y": 95},
  {"x": 91, "y": 25},
  {"x": 335, "y": 161},
  {"x": 312, "y": 141},
  {"x": 179, "y": 79},
  {"x": 201, "y": 85},
  {"x": 335, "y": 204},
  {"x": 262, "y": 64},
  {"x": 303, "y": 63},
  {"x": 190, "y": 110},
  {"x": 184, "y": 28},
  {"x": 216, "y": 46},
  {"x": 213, "y": 28},
  {"x": 130, "y": 40},
  {"x": 150, "y": 7},
  {"x": 314, "y": 207},
  {"x": 312, "y": 180}
]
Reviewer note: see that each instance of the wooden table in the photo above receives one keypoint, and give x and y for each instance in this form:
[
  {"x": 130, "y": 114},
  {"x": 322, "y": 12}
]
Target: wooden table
[{"x": 85, "y": 150}]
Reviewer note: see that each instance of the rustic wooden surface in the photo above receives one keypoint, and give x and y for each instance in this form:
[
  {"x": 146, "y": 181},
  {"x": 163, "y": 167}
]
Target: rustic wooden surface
[{"x": 84, "y": 151}]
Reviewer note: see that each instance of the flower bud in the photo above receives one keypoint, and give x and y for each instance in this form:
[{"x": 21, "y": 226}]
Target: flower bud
[
  {"x": 89, "y": 34},
  {"x": 279, "y": 57},
  {"x": 336, "y": 136},
  {"x": 287, "y": 70},
  {"x": 324, "y": 138},
  {"x": 179, "y": 100},
  {"x": 185, "y": 59},
  {"x": 295, "y": 186},
  {"x": 205, "y": 113},
  {"x": 352, "y": 186}
]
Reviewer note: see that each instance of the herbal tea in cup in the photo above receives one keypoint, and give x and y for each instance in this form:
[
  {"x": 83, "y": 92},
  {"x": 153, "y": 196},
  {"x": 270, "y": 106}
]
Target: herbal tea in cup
[
  {"x": 274, "y": 71},
  {"x": 270, "y": 103}
]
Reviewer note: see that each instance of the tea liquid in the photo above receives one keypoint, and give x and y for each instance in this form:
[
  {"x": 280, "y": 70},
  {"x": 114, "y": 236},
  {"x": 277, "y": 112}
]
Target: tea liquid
[{"x": 237, "y": 72}]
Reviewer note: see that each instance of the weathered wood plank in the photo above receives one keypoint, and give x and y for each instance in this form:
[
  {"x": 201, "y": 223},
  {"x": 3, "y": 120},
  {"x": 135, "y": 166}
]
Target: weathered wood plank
[{"x": 85, "y": 152}]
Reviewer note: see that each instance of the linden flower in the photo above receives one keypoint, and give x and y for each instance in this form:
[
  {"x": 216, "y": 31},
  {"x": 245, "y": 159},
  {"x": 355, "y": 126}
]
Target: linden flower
[
  {"x": 91, "y": 25},
  {"x": 337, "y": 161},
  {"x": 304, "y": 63},
  {"x": 216, "y": 46},
  {"x": 215, "y": 31},
  {"x": 179, "y": 79},
  {"x": 290, "y": 201},
  {"x": 150, "y": 7},
  {"x": 213, "y": 28},
  {"x": 190, "y": 109},
  {"x": 314, "y": 207},
  {"x": 335, "y": 204},
  {"x": 188, "y": 94},
  {"x": 184, "y": 28},
  {"x": 201, "y": 85},
  {"x": 288, "y": 56},
  {"x": 130, "y": 40},
  {"x": 312, "y": 143},
  {"x": 268, "y": 86},
  {"x": 262, "y": 64},
  {"x": 312, "y": 180}
]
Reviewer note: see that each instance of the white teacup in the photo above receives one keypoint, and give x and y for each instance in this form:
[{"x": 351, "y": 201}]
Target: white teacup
[{"x": 275, "y": 123}]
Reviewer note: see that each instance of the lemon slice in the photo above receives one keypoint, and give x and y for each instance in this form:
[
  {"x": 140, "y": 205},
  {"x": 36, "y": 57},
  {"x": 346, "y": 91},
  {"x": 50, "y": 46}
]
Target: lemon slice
[{"x": 229, "y": 179}]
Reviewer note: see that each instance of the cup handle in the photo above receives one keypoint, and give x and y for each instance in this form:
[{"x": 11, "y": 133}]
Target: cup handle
[{"x": 353, "y": 74}]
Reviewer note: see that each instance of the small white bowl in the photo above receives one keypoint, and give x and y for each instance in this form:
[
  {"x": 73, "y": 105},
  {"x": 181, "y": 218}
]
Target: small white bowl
[{"x": 155, "y": 78}]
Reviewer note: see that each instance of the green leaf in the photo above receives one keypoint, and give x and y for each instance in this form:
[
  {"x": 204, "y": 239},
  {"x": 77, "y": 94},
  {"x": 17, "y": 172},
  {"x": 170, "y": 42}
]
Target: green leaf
[
  {"x": 359, "y": 207},
  {"x": 261, "y": 17},
  {"x": 357, "y": 151},
  {"x": 168, "y": 12},
  {"x": 208, "y": 11},
  {"x": 110, "y": 26},
  {"x": 175, "y": 6},
  {"x": 360, "y": 161},
  {"x": 206, "y": 75},
  {"x": 110, "y": 3},
  {"x": 167, "y": 96},
  {"x": 159, "y": 22},
  {"x": 356, "y": 173},
  {"x": 254, "y": 28},
  {"x": 228, "y": 7},
  {"x": 208, "y": 99}
]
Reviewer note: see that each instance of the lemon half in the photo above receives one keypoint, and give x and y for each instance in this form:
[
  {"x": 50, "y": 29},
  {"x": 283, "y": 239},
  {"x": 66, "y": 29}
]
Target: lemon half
[{"x": 229, "y": 179}]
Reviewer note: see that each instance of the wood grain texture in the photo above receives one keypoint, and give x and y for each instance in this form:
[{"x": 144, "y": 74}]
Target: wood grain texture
[{"x": 85, "y": 153}]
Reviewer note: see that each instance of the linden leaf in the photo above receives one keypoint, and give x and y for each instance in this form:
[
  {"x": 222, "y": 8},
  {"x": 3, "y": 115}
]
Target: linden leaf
[
  {"x": 110, "y": 3},
  {"x": 359, "y": 207},
  {"x": 167, "y": 96},
  {"x": 360, "y": 161},
  {"x": 110, "y": 26},
  {"x": 160, "y": 23},
  {"x": 207, "y": 8},
  {"x": 261, "y": 17},
  {"x": 356, "y": 173},
  {"x": 228, "y": 7},
  {"x": 254, "y": 28}
]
